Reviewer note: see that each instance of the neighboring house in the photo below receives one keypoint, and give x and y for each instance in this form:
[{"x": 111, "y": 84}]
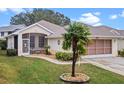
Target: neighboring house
[
  {"x": 106, "y": 41},
  {"x": 6, "y": 30}
]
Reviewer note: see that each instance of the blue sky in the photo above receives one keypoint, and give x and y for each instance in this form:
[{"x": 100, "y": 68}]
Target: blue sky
[{"x": 113, "y": 17}]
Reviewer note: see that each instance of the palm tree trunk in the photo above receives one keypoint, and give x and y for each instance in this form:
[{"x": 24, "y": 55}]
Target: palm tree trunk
[
  {"x": 73, "y": 65},
  {"x": 74, "y": 57}
]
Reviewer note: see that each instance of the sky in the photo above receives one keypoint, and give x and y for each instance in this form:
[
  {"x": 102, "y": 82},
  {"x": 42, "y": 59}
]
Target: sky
[{"x": 113, "y": 17}]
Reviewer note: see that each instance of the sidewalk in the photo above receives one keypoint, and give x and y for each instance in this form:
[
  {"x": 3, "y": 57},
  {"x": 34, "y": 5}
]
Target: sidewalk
[{"x": 55, "y": 61}]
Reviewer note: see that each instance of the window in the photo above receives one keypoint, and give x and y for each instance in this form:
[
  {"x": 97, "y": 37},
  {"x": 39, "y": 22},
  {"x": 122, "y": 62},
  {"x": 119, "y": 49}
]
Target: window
[
  {"x": 58, "y": 42},
  {"x": 2, "y": 33},
  {"x": 41, "y": 41},
  {"x": 32, "y": 41}
]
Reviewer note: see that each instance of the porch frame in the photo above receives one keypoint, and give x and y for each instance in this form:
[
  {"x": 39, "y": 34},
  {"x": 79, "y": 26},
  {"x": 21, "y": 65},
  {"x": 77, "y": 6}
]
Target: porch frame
[{"x": 20, "y": 44}]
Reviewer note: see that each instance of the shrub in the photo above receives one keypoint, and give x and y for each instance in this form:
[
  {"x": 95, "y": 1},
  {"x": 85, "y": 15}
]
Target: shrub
[
  {"x": 121, "y": 53},
  {"x": 3, "y": 44},
  {"x": 64, "y": 56},
  {"x": 11, "y": 52},
  {"x": 47, "y": 50}
]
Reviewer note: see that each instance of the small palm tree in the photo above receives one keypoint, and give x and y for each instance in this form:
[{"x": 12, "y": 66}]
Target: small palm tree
[{"x": 76, "y": 38}]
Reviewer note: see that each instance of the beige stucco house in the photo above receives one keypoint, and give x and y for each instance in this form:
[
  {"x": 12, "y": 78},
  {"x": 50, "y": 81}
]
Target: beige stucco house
[{"x": 106, "y": 41}]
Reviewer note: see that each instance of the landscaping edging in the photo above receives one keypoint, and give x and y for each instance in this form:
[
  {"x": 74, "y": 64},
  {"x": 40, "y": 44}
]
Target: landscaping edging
[{"x": 83, "y": 78}]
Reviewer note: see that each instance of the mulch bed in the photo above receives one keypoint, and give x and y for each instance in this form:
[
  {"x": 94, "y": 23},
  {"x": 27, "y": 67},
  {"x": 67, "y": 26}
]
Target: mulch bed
[{"x": 79, "y": 78}]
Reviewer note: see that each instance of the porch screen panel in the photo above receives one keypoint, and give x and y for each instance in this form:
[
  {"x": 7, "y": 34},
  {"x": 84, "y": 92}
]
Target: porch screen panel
[
  {"x": 32, "y": 41},
  {"x": 41, "y": 41},
  {"x": 25, "y": 36}
]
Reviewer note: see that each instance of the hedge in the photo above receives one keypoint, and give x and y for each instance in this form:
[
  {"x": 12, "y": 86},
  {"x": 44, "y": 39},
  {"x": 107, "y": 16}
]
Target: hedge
[
  {"x": 3, "y": 44},
  {"x": 64, "y": 56},
  {"x": 11, "y": 52}
]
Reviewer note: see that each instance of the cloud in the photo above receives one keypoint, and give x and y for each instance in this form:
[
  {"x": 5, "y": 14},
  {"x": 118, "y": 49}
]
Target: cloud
[
  {"x": 114, "y": 16},
  {"x": 97, "y": 24},
  {"x": 89, "y": 18},
  {"x": 97, "y": 13},
  {"x": 3, "y": 9},
  {"x": 14, "y": 10}
]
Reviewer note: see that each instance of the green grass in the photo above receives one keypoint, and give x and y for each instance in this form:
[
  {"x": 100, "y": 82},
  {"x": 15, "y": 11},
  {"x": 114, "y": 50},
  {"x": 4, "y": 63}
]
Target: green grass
[{"x": 32, "y": 70}]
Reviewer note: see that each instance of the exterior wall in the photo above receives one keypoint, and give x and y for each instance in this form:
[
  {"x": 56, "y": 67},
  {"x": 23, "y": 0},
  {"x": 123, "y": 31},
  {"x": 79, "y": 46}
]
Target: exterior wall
[
  {"x": 120, "y": 44},
  {"x": 53, "y": 43},
  {"x": 114, "y": 47},
  {"x": 10, "y": 42},
  {"x": 54, "y": 47}
]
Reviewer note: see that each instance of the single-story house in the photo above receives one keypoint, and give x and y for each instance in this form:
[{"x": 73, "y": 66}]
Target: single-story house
[{"x": 106, "y": 41}]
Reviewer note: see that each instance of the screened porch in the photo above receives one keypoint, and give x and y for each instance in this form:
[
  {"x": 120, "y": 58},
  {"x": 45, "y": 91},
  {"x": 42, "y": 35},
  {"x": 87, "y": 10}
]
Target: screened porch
[{"x": 33, "y": 43}]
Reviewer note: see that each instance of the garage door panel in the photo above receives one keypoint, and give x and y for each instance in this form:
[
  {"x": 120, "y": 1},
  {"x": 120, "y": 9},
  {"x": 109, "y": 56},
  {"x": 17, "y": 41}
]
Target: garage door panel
[
  {"x": 107, "y": 43},
  {"x": 100, "y": 51},
  {"x": 92, "y": 44},
  {"x": 99, "y": 43},
  {"x": 91, "y": 51},
  {"x": 107, "y": 50},
  {"x": 99, "y": 47}
]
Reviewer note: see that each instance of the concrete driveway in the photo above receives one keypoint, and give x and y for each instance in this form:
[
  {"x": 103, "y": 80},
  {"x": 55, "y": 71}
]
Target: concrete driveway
[{"x": 114, "y": 64}]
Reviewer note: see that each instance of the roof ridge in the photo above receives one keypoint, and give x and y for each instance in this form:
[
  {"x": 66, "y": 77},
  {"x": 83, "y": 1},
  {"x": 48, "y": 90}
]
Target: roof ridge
[{"x": 107, "y": 27}]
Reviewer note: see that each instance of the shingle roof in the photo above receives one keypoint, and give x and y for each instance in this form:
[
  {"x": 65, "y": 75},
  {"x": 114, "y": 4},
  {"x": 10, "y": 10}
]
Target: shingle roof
[
  {"x": 104, "y": 31},
  {"x": 11, "y": 28},
  {"x": 99, "y": 31},
  {"x": 56, "y": 29}
]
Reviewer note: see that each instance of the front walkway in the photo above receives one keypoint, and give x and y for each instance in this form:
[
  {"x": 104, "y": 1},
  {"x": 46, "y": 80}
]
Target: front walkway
[
  {"x": 55, "y": 61},
  {"x": 114, "y": 64}
]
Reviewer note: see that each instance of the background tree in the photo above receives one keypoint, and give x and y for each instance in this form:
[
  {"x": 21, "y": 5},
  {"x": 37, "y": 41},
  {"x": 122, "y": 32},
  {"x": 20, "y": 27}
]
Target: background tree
[
  {"x": 38, "y": 14},
  {"x": 77, "y": 38}
]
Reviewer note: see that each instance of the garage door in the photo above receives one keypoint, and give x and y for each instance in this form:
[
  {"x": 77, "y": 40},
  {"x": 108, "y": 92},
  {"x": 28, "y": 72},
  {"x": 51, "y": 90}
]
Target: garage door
[{"x": 99, "y": 47}]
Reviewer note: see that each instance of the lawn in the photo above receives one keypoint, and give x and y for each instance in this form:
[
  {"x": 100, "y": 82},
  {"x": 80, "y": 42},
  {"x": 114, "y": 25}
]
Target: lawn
[{"x": 24, "y": 70}]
